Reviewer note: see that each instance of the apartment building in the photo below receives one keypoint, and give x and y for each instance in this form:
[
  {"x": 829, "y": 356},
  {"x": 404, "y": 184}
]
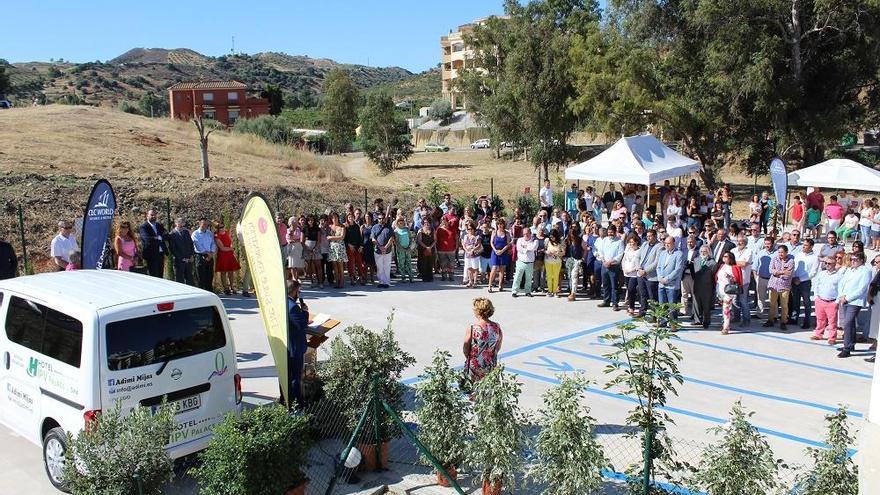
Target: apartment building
[
  {"x": 223, "y": 101},
  {"x": 455, "y": 55}
]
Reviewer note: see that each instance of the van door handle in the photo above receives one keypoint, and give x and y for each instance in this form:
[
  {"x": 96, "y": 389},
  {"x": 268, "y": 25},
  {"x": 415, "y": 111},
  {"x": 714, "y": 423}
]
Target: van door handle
[{"x": 6, "y": 359}]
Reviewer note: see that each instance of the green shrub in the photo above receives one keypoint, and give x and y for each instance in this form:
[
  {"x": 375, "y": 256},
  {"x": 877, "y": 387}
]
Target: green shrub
[
  {"x": 103, "y": 460},
  {"x": 128, "y": 107},
  {"x": 528, "y": 204},
  {"x": 261, "y": 452},
  {"x": 269, "y": 127},
  {"x": 741, "y": 463},
  {"x": 442, "y": 412},
  {"x": 569, "y": 459},
  {"x": 436, "y": 189},
  {"x": 834, "y": 470},
  {"x": 353, "y": 363}
]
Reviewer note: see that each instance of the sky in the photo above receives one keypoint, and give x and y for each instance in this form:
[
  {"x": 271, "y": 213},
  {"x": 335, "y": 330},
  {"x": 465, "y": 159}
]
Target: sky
[{"x": 369, "y": 32}]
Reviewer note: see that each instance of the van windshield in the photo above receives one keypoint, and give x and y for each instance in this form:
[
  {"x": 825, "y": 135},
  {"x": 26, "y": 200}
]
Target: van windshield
[{"x": 160, "y": 337}]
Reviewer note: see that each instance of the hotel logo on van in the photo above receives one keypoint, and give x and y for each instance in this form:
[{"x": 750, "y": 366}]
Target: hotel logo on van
[
  {"x": 220, "y": 367},
  {"x": 115, "y": 382}
]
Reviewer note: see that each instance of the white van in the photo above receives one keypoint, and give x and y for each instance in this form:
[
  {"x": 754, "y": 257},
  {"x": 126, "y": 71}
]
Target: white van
[{"x": 74, "y": 343}]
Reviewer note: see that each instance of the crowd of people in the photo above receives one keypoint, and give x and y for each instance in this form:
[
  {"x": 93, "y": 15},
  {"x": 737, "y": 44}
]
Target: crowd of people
[{"x": 610, "y": 246}]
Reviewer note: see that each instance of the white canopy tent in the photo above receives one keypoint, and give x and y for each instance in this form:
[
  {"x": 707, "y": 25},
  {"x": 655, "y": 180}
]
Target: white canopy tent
[
  {"x": 838, "y": 173},
  {"x": 635, "y": 160}
]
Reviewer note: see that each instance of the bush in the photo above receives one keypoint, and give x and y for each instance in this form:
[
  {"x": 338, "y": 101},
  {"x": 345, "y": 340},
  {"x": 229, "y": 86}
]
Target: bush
[
  {"x": 529, "y": 206},
  {"x": 442, "y": 412},
  {"x": 262, "y": 452},
  {"x": 436, "y": 189},
  {"x": 128, "y": 107},
  {"x": 103, "y": 460},
  {"x": 271, "y": 128},
  {"x": 441, "y": 110},
  {"x": 834, "y": 470},
  {"x": 353, "y": 364}
]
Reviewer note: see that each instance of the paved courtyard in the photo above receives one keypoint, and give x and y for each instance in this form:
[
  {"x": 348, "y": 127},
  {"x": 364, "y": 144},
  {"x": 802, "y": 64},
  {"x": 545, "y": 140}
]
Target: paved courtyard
[{"x": 789, "y": 381}]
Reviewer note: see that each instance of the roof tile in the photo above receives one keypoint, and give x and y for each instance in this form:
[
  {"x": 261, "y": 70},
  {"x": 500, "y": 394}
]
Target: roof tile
[{"x": 208, "y": 85}]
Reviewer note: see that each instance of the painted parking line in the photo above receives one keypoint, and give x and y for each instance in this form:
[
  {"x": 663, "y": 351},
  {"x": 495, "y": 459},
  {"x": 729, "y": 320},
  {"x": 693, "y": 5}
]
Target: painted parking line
[
  {"x": 721, "y": 386},
  {"x": 771, "y": 357},
  {"x": 768, "y": 335},
  {"x": 676, "y": 410},
  {"x": 536, "y": 345}
]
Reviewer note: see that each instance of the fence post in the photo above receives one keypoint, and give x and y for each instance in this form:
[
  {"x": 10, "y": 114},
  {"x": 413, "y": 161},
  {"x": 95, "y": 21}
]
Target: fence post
[
  {"x": 25, "y": 266},
  {"x": 138, "y": 483},
  {"x": 366, "y": 202},
  {"x": 376, "y": 434},
  {"x": 340, "y": 463},
  {"x": 491, "y": 187},
  {"x": 646, "y": 469},
  {"x": 169, "y": 267}
]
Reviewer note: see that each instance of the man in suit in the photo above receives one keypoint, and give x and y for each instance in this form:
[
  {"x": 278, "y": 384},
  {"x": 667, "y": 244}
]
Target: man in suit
[
  {"x": 153, "y": 244},
  {"x": 8, "y": 261},
  {"x": 298, "y": 320},
  {"x": 690, "y": 252},
  {"x": 182, "y": 253},
  {"x": 720, "y": 245}
]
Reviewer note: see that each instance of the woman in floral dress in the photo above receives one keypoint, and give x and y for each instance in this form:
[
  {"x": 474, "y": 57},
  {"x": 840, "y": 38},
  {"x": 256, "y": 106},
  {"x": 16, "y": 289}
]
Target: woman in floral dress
[
  {"x": 482, "y": 341},
  {"x": 337, "y": 256}
]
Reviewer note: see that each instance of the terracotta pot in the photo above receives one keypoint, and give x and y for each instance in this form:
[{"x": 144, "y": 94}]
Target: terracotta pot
[
  {"x": 441, "y": 480},
  {"x": 490, "y": 488},
  {"x": 299, "y": 489},
  {"x": 368, "y": 456}
]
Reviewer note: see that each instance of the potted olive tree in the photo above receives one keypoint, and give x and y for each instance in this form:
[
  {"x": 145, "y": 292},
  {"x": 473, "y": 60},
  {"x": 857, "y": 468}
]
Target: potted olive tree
[
  {"x": 499, "y": 436},
  {"x": 568, "y": 457},
  {"x": 261, "y": 452},
  {"x": 136, "y": 441},
  {"x": 362, "y": 364},
  {"x": 442, "y": 412}
]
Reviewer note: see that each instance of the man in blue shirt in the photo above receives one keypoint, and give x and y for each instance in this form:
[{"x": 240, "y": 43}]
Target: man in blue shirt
[
  {"x": 297, "y": 322},
  {"x": 761, "y": 266},
  {"x": 571, "y": 198},
  {"x": 825, "y": 292},
  {"x": 852, "y": 297},
  {"x": 203, "y": 244},
  {"x": 670, "y": 266},
  {"x": 649, "y": 253},
  {"x": 610, "y": 254}
]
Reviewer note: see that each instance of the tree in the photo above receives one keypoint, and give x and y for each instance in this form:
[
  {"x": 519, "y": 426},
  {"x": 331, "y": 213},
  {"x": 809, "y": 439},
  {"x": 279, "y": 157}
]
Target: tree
[
  {"x": 645, "y": 366},
  {"x": 741, "y": 463},
  {"x": 205, "y": 128},
  {"x": 151, "y": 105},
  {"x": 385, "y": 138},
  {"x": 339, "y": 109},
  {"x": 518, "y": 85},
  {"x": 5, "y": 85},
  {"x": 834, "y": 470},
  {"x": 275, "y": 97},
  {"x": 441, "y": 110}
]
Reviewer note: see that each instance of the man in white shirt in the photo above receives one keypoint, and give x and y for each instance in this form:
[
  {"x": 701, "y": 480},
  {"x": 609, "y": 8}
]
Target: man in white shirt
[
  {"x": 743, "y": 256},
  {"x": 806, "y": 266},
  {"x": 546, "y": 197},
  {"x": 588, "y": 198},
  {"x": 63, "y": 245},
  {"x": 525, "y": 262}
]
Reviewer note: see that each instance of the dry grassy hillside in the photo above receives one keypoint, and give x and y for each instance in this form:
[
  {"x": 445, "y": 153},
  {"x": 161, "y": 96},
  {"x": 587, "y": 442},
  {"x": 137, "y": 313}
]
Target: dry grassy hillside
[{"x": 50, "y": 157}]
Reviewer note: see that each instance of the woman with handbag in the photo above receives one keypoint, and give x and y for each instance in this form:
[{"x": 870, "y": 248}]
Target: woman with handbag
[
  {"x": 729, "y": 283},
  {"x": 482, "y": 342},
  {"x": 473, "y": 247}
]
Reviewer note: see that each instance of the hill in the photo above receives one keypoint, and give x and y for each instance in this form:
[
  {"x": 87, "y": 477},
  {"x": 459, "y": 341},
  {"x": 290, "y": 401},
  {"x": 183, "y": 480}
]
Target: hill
[
  {"x": 51, "y": 155},
  {"x": 139, "y": 71},
  {"x": 422, "y": 88}
]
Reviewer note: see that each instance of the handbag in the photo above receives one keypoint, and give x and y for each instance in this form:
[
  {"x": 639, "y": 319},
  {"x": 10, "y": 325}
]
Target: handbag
[
  {"x": 732, "y": 289},
  {"x": 465, "y": 384}
]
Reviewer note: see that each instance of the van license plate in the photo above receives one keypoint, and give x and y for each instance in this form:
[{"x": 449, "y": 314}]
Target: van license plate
[{"x": 187, "y": 404}]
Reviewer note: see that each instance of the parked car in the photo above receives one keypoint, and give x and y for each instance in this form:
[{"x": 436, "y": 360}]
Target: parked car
[
  {"x": 5, "y": 104},
  {"x": 436, "y": 147},
  {"x": 74, "y": 343},
  {"x": 480, "y": 144}
]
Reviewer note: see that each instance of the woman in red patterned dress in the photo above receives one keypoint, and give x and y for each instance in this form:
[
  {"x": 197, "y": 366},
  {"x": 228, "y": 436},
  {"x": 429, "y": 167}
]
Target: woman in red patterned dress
[
  {"x": 482, "y": 342},
  {"x": 226, "y": 265}
]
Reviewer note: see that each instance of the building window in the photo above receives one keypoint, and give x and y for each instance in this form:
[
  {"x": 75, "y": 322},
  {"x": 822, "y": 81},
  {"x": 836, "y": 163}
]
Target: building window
[
  {"x": 233, "y": 116},
  {"x": 209, "y": 114},
  {"x": 177, "y": 96},
  {"x": 232, "y": 96},
  {"x": 208, "y": 97}
]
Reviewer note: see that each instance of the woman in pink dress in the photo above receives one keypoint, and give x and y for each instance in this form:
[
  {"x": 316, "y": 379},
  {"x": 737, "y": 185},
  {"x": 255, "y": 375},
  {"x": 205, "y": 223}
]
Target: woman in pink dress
[
  {"x": 226, "y": 264},
  {"x": 482, "y": 342},
  {"x": 125, "y": 245}
]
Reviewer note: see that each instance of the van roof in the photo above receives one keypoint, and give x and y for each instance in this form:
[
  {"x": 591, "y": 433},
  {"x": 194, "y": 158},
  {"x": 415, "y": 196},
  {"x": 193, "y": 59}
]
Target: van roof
[{"x": 97, "y": 288}]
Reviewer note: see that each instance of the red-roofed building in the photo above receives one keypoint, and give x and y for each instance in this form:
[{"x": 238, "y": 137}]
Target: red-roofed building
[{"x": 223, "y": 101}]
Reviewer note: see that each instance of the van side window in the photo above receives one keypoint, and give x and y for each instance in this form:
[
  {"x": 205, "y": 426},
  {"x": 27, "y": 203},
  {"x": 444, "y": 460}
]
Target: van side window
[{"x": 47, "y": 331}]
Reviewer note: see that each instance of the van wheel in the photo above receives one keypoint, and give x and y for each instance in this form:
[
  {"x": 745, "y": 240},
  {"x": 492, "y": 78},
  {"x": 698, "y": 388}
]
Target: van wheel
[{"x": 54, "y": 447}]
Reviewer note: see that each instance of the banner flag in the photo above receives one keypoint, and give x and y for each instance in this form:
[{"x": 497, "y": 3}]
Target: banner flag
[
  {"x": 779, "y": 177},
  {"x": 267, "y": 271},
  {"x": 97, "y": 221}
]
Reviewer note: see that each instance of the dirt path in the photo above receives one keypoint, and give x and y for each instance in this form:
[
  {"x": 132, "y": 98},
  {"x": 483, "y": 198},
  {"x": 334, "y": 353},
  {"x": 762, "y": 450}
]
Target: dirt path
[{"x": 356, "y": 166}]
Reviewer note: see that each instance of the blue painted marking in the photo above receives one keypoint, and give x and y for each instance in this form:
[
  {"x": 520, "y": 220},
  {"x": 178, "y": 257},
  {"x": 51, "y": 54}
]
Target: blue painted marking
[
  {"x": 561, "y": 367},
  {"x": 791, "y": 339},
  {"x": 676, "y": 410},
  {"x": 537, "y": 345},
  {"x": 718, "y": 385},
  {"x": 772, "y": 358},
  {"x": 612, "y": 475}
]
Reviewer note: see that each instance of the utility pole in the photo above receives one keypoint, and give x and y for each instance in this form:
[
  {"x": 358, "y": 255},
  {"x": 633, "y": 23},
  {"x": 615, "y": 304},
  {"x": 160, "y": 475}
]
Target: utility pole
[{"x": 232, "y": 51}]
